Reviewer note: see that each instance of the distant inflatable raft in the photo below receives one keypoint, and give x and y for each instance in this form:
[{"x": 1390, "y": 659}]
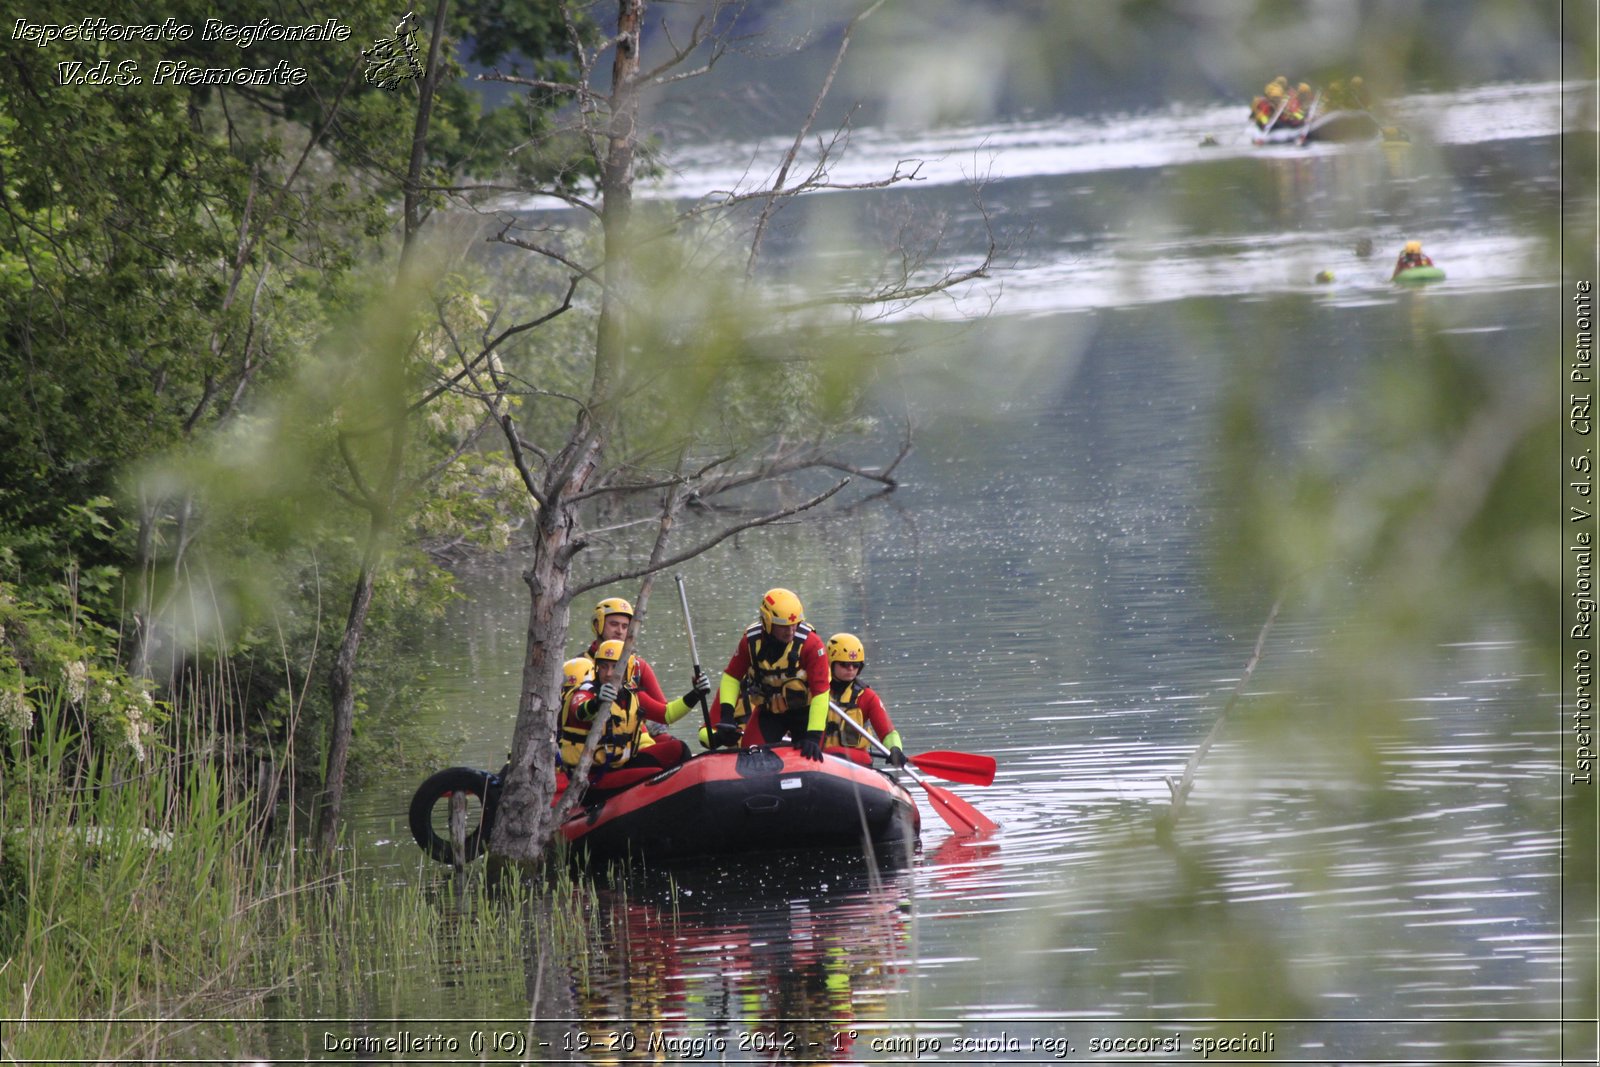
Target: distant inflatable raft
[
  {"x": 1333, "y": 126},
  {"x": 1412, "y": 275}
]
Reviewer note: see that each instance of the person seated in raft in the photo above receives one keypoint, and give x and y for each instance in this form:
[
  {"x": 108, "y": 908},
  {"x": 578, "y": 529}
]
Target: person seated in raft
[
  {"x": 1410, "y": 256},
  {"x": 1266, "y": 105},
  {"x": 1356, "y": 95},
  {"x": 847, "y": 659},
  {"x": 612, "y": 618},
  {"x": 626, "y": 753},
  {"x": 776, "y": 682},
  {"x": 1298, "y": 110}
]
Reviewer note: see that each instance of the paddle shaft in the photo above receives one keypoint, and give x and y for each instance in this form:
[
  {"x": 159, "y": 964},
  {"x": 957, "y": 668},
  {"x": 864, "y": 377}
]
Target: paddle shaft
[
  {"x": 883, "y": 749},
  {"x": 1274, "y": 120},
  {"x": 1311, "y": 113},
  {"x": 694, "y": 651}
]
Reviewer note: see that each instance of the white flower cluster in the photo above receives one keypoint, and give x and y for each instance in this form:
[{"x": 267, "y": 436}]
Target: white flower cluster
[
  {"x": 138, "y": 727},
  {"x": 504, "y": 478},
  {"x": 15, "y": 710},
  {"x": 75, "y": 676}
]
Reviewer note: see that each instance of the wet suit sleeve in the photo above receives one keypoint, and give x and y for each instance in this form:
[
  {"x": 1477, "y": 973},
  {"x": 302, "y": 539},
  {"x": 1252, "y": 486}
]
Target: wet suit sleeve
[
  {"x": 654, "y": 708},
  {"x": 738, "y": 667},
  {"x": 878, "y": 719},
  {"x": 728, "y": 691},
  {"x": 649, "y": 684},
  {"x": 583, "y": 705},
  {"x": 814, "y": 657}
]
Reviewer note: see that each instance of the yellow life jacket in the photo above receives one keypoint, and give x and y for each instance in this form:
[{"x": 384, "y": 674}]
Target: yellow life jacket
[
  {"x": 837, "y": 733},
  {"x": 620, "y": 739},
  {"x": 778, "y": 681}
]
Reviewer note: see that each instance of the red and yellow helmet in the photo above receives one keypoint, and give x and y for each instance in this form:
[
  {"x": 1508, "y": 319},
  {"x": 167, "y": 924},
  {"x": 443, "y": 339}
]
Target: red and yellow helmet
[
  {"x": 576, "y": 671},
  {"x": 611, "y": 605},
  {"x": 609, "y": 652},
  {"x": 847, "y": 648},
  {"x": 780, "y": 607}
]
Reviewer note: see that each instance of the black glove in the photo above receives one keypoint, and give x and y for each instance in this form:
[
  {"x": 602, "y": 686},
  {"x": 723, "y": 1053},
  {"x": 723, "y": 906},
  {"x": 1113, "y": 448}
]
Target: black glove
[
  {"x": 725, "y": 735},
  {"x": 897, "y": 756},
  {"x": 811, "y": 746},
  {"x": 700, "y": 690}
]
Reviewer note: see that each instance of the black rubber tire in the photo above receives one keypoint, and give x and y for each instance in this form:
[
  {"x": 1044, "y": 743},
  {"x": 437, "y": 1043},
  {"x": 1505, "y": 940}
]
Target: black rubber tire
[{"x": 438, "y": 787}]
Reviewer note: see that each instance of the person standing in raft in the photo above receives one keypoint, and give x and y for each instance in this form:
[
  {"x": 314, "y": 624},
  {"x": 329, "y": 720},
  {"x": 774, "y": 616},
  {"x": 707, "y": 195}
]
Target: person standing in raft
[
  {"x": 776, "y": 684},
  {"x": 847, "y": 658},
  {"x": 1410, "y": 256},
  {"x": 626, "y": 754}
]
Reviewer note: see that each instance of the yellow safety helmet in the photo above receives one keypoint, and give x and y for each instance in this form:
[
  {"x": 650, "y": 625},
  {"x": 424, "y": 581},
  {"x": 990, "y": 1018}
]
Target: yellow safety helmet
[
  {"x": 1281, "y": 81},
  {"x": 576, "y": 671},
  {"x": 611, "y": 605},
  {"x": 1274, "y": 91},
  {"x": 1412, "y": 246},
  {"x": 780, "y": 607},
  {"x": 846, "y": 648},
  {"x": 610, "y": 651},
  {"x": 1302, "y": 88}
]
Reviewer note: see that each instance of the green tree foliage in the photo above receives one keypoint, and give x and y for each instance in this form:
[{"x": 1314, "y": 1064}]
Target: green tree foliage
[{"x": 175, "y": 261}]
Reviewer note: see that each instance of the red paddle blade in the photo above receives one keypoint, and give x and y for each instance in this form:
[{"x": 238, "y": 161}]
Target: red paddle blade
[
  {"x": 963, "y": 817},
  {"x": 968, "y": 767}
]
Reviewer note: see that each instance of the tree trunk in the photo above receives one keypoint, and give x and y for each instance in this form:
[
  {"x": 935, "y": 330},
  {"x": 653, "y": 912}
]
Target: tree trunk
[
  {"x": 616, "y": 210},
  {"x": 342, "y": 695},
  {"x": 526, "y": 822},
  {"x": 341, "y": 678}
]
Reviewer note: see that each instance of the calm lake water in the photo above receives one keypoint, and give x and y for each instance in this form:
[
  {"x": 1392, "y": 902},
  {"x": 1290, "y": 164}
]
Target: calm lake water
[{"x": 1382, "y": 889}]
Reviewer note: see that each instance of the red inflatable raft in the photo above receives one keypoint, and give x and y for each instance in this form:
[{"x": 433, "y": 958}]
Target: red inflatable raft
[
  {"x": 718, "y": 803},
  {"x": 751, "y": 800}
]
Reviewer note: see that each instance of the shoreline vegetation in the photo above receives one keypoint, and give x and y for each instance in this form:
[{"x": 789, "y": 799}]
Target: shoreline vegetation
[{"x": 142, "y": 901}]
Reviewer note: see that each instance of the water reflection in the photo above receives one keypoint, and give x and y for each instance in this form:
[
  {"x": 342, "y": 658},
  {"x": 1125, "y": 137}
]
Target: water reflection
[{"x": 787, "y": 959}]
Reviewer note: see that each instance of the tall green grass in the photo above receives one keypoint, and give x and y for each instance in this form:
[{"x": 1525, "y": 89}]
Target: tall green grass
[
  {"x": 142, "y": 915},
  {"x": 128, "y": 886}
]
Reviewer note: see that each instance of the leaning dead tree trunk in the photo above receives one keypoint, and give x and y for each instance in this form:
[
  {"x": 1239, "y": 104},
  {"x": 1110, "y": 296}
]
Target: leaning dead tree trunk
[
  {"x": 1181, "y": 787},
  {"x": 527, "y": 822}
]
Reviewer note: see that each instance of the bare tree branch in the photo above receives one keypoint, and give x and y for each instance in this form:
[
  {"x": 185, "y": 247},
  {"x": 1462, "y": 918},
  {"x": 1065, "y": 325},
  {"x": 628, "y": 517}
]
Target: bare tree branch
[
  {"x": 469, "y": 367},
  {"x": 705, "y": 546},
  {"x": 802, "y": 134}
]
